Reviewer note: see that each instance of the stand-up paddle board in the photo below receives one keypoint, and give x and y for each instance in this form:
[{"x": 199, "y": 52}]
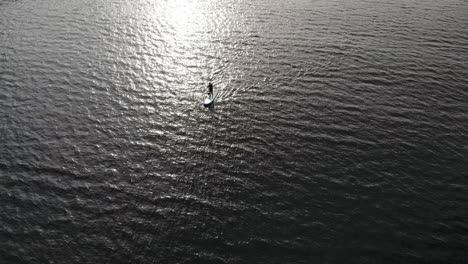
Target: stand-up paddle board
[{"x": 209, "y": 101}]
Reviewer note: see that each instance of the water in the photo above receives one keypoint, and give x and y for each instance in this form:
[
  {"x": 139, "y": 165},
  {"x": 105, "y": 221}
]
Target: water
[{"x": 340, "y": 134}]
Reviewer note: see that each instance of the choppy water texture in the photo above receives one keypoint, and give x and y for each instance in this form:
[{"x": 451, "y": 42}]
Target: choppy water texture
[{"x": 340, "y": 134}]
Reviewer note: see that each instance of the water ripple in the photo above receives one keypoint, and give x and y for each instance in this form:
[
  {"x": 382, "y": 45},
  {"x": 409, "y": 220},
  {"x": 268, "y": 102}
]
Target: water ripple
[{"x": 338, "y": 135}]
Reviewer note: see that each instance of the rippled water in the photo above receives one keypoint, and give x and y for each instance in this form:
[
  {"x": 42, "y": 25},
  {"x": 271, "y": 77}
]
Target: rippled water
[{"x": 339, "y": 136}]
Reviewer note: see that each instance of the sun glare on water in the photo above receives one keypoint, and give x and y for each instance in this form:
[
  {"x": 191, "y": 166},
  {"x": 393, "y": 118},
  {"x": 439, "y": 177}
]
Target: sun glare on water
[{"x": 185, "y": 18}]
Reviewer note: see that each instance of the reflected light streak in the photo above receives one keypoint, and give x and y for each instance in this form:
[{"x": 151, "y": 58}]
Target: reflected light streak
[{"x": 185, "y": 18}]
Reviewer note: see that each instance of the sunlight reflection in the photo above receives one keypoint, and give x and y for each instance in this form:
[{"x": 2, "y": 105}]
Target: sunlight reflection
[
  {"x": 185, "y": 30},
  {"x": 182, "y": 49},
  {"x": 185, "y": 18}
]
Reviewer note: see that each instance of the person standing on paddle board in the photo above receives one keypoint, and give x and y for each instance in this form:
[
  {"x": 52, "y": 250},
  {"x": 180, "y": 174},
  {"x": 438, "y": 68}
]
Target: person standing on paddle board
[{"x": 210, "y": 89}]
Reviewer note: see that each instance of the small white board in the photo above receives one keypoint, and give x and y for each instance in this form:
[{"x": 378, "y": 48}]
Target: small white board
[{"x": 209, "y": 101}]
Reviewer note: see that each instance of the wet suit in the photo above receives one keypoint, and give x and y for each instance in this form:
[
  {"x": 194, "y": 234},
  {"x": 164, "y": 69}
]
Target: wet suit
[{"x": 210, "y": 89}]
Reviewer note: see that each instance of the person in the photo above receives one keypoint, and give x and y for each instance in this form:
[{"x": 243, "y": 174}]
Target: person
[{"x": 210, "y": 89}]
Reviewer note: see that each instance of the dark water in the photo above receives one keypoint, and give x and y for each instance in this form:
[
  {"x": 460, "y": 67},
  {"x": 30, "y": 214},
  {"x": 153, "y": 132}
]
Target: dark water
[{"x": 340, "y": 134}]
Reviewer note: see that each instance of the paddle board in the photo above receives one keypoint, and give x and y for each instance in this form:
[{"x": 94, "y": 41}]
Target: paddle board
[{"x": 210, "y": 100}]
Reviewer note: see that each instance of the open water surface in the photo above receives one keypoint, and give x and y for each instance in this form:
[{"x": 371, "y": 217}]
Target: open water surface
[{"x": 340, "y": 134}]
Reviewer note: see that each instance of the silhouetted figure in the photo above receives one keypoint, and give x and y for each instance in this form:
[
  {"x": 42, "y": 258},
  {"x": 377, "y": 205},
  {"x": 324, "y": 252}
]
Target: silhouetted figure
[{"x": 210, "y": 89}]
